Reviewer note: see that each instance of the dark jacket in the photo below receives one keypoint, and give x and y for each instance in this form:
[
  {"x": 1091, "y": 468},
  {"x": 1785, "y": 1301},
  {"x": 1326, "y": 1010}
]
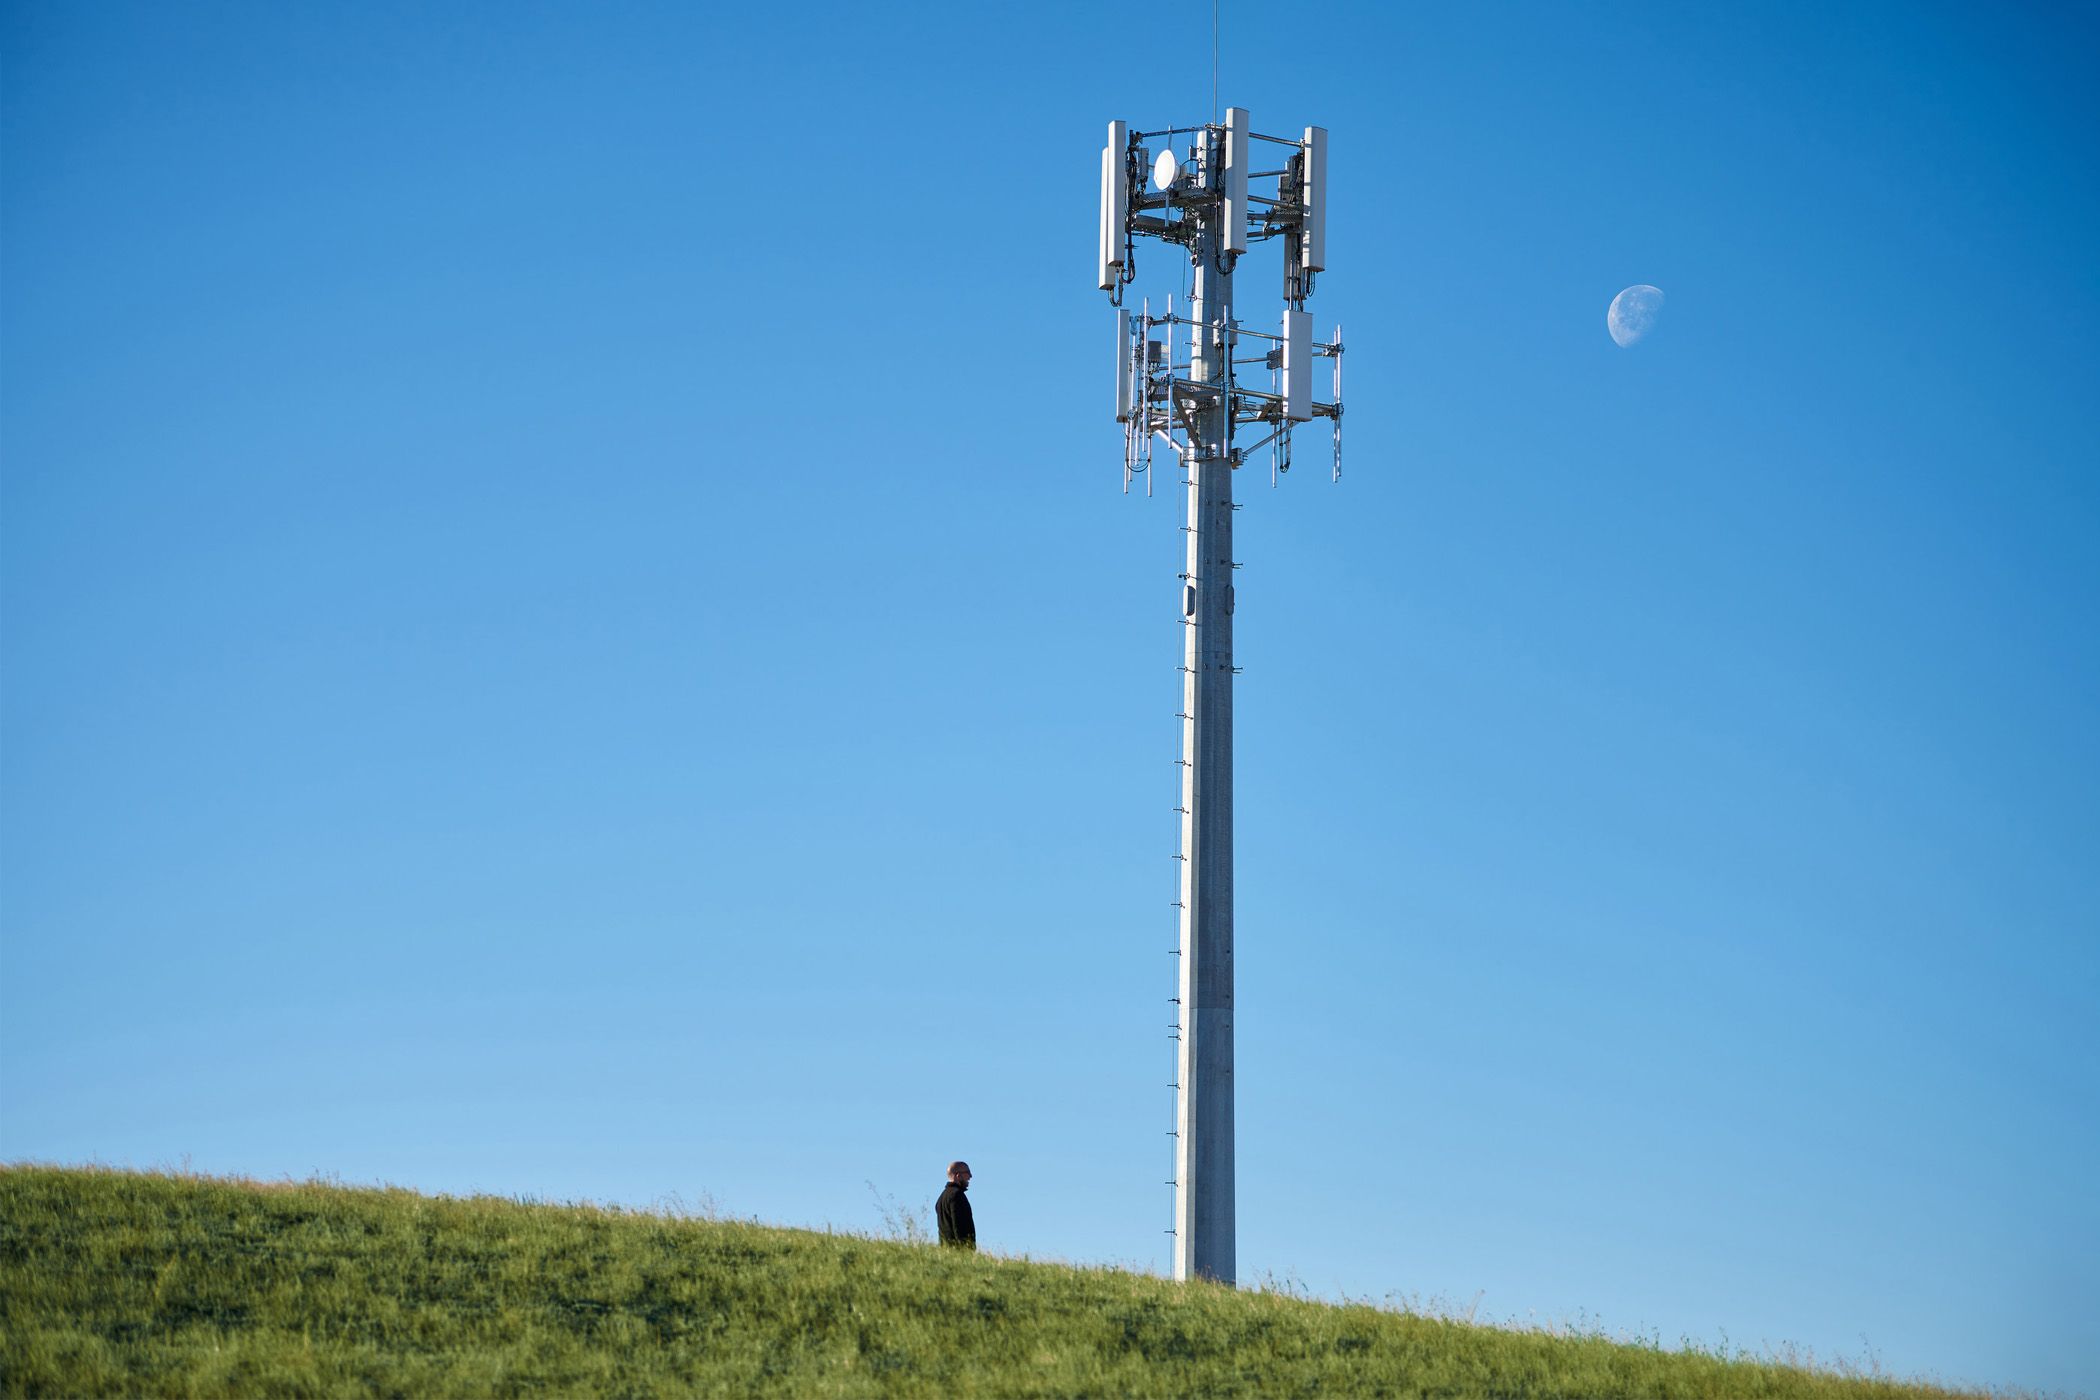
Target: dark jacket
[{"x": 958, "y": 1226}]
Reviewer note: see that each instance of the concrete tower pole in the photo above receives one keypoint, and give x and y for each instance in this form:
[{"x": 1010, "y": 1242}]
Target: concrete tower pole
[{"x": 1203, "y": 1176}]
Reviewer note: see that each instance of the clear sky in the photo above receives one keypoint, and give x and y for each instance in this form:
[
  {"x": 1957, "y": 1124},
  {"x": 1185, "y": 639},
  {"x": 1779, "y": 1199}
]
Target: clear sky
[{"x": 570, "y": 629}]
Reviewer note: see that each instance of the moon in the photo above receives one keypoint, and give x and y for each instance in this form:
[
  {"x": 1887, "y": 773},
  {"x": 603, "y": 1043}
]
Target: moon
[{"x": 1633, "y": 313}]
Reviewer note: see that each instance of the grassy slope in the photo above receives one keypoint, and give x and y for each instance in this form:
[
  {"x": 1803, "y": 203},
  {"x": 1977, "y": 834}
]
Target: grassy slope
[{"x": 122, "y": 1283}]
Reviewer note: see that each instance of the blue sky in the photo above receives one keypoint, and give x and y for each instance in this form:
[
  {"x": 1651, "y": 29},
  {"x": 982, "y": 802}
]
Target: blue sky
[{"x": 568, "y": 627}]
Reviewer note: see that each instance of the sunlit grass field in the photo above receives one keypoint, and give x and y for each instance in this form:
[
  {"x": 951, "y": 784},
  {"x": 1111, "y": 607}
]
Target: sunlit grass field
[{"x": 117, "y": 1283}]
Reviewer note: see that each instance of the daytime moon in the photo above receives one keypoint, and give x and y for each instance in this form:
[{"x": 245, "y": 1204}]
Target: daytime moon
[{"x": 1633, "y": 313}]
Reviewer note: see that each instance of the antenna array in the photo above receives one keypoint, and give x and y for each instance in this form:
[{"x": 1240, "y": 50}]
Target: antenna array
[
  {"x": 1179, "y": 382},
  {"x": 1161, "y": 196}
]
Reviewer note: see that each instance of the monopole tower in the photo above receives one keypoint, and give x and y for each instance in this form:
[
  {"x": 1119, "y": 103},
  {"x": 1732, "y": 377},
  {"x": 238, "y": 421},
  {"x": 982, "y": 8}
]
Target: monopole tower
[{"x": 1191, "y": 377}]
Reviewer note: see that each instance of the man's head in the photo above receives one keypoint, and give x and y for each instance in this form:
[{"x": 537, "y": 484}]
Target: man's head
[{"x": 959, "y": 1173}]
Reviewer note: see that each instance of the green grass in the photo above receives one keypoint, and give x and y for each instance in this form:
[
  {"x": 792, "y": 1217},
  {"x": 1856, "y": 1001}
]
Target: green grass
[{"x": 134, "y": 1284}]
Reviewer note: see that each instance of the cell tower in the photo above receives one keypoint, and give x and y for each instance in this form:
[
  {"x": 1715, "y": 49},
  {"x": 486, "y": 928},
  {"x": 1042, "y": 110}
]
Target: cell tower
[{"x": 1194, "y": 403}]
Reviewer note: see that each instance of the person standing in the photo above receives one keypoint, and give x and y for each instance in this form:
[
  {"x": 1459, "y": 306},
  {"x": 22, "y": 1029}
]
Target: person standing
[{"x": 958, "y": 1226}]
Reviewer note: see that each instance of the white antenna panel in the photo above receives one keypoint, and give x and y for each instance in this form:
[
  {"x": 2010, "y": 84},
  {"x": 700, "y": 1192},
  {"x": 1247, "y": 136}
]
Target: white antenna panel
[
  {"x": 1115, "y": 204},
  {"x": 1297, "y": 366},
  {"x": 1123, "y": 366},
  {"x": 1236, "y": 179},
  {"x": 1312, "y": 243}
]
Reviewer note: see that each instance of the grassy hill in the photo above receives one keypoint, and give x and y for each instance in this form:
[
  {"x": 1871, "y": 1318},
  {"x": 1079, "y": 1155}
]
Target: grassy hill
[{"x": 122, "y": 1283}]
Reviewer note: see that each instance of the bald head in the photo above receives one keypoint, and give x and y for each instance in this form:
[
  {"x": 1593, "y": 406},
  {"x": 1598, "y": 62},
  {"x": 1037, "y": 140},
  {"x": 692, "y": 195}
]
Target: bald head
[{"x": 959, "y": 1173}]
